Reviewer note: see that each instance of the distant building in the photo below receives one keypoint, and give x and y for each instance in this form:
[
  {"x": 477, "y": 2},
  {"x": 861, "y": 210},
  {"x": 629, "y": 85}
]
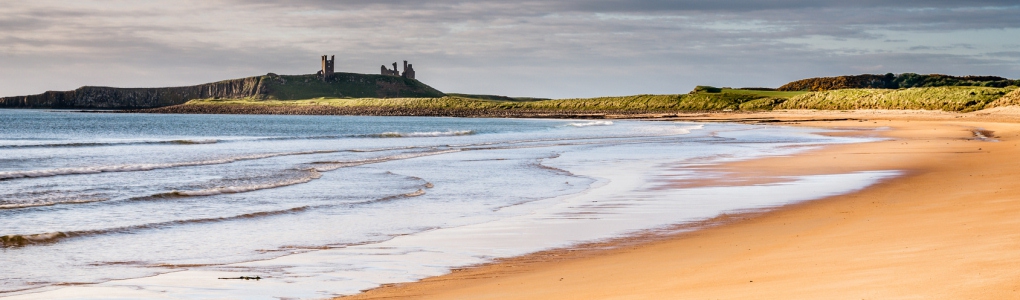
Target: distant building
[
  {"x": 328, "y": 63},
  {"x": 327, "y": 67},
  {"x": 408, "y": 70}
]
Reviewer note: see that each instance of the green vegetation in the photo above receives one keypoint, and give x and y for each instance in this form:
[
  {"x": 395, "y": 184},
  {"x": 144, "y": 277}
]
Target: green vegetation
[
  {"x": 724, "y": 99},
  {"x": 628, "y": 103},
  {"x": 707, "y": 89},
  {"x": 704, "y": 98},
  {"x": 892, "y": 81},
  {"x": 909, "y": 80},
  {"x": 1012, "y": 98},
  {"x": 495, "y": 97},
  {"x": 765, "y": 93},
  {"x": 959, "y": 99},
  {"x": 344, "y": 85}
]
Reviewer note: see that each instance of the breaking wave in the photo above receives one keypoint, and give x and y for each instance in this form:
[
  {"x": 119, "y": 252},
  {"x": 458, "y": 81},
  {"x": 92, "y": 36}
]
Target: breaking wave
[
  {"x": 145, "y": 167},
  {"x": 103, "y": 144},
  {"x": 326, "y": 166},
  {"x": 394, "y": 134},
  {"x": 312, "y": 175},
  {"x": 20, "y": 240},
  {"x": 48, "y": 201},
  {"x": 417, "y": 193},
  {"x": 592, "y": 123},
  {"x": 386, "y": 149}
]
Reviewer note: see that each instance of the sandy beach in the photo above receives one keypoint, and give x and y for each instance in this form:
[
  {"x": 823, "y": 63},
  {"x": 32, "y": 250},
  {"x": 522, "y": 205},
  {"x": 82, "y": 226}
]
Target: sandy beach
[{"x": 947, "y": 229}]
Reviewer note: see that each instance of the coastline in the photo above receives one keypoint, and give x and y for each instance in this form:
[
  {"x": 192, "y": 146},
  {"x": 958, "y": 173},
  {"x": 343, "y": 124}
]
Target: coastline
[
  {"x": 397, "y": 111},
  {"x": 941, "y": 230},
  {"x": 620, "y": 178}
]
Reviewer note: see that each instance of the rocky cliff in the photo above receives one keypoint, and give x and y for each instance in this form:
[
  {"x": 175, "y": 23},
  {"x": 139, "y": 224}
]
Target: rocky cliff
[
  {"x": 270, "y": 86},
  {"x": 109, "y": 97}
]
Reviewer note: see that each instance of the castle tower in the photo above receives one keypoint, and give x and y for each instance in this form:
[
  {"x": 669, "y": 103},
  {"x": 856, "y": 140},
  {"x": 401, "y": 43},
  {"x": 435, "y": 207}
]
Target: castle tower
[
  {"x": 408, "y": 70},
  {"x": 327, "y": 66}
]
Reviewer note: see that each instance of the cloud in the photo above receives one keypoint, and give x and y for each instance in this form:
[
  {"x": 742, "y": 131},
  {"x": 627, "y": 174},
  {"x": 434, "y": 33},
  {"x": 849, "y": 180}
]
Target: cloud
[{"x": 532, "y": 48}]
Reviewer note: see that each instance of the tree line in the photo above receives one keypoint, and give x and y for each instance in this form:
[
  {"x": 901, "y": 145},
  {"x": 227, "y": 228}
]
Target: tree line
[{"x": 893, "y": 81}]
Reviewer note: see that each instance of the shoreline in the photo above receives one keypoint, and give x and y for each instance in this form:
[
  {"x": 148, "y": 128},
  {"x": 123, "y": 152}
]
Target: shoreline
[
  {"x": 189, "y": 281},
  {"x": 644, "y": 265},
  {"x": 906, "y": 127},
  {"x": 394, "y": 111}
]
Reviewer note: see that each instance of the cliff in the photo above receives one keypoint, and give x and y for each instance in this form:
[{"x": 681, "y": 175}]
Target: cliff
[{"x": 266, "y": 87}]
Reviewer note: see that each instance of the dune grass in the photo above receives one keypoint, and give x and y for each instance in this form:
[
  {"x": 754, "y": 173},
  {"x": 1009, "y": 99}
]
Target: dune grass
[
  {"x": 949, "y": 98},
  {"x": 652, "y": 103},
  {"x": 1010, "y": 99},
  {"x": 960, "y": 99},
  {"x": 772, "y": 94}
]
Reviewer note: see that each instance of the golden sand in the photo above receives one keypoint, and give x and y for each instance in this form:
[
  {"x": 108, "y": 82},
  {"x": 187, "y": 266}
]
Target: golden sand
[{"x": 949, "y": 228}]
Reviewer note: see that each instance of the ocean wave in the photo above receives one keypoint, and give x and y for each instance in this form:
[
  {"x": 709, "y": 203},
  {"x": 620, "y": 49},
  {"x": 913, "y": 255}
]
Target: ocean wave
[
  {"x": 313, "y": 174},
  {"x": 592, "y": 123},
  {"x": 313, "y": 137},
  {"x": 48, "y": 201},
  {"x": 394, "y": 134},
  {"x": 103, "y": 144},
  {"x": 386, "y": 149},
  {"x": 417, "y": 193},
  {"x": 192, "y": 142},
  {"x": 21, "y": 240},
  {"x": 145, "y": 167},
  {"x": 326, "y": 166}
]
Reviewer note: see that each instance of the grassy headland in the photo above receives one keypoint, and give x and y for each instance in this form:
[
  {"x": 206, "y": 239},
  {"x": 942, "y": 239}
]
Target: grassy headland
[
  {"x": 722, "y": 100},
  {"x": 702, "y": 99},
  {"x": 263, "y": 87},
  {"x": 726, "y": 99},
  {"x": 345, "y": 85},
  {"x": 365, "y": 94},
  {"x": 949, "y": 98}
]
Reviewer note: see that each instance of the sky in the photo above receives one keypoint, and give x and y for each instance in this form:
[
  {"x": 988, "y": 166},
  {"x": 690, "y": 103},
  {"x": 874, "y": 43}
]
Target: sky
[{"x": 553, "y": 49}]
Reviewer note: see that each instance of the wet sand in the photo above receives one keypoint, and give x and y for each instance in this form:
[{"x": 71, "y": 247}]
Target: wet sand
[{"x": 948, "y": 228}]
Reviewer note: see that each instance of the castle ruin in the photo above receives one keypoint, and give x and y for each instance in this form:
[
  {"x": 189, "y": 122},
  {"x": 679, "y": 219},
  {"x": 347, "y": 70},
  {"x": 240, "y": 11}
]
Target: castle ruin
[
  {"x": 408, "y": 70},
  {"x": 327, "y": 67},
  {"x": 327, "y": 70}
]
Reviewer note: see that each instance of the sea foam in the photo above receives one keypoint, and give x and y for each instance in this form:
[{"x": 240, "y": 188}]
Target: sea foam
[
  {"x": 592, "y": 123},
  {"x": 394, "y": 134},
  {"x": 145, "y": 167}
]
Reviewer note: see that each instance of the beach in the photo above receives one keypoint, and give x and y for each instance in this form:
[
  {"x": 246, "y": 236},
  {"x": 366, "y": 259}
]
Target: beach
[
  {"x": 325, "y": 206},
  {"x": 789, "y": 204},
  {"x": 947, "y": 228}
]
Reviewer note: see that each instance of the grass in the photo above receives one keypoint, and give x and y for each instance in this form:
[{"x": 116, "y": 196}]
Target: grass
[
  {"x": 773, "y": 94},
  {"x": 949, "y": 98},
  {"x": 960, "y": 99},
  {"x": 701, "y": 101},
  {"x": 1012, "y": 98},
  {"x": 495, "y": 97},
  {"x": 345, "y": 85}
]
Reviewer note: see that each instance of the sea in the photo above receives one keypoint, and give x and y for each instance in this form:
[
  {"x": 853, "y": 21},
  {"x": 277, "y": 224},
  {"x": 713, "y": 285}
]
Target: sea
[{"x": 150, "y": 206}]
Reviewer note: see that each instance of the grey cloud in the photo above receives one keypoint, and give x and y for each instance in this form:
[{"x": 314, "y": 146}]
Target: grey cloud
[
  {"x": 1008, "y": 55},
  {"x": 551, "y": 49},
  {"x": 644, "y": 5}
]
